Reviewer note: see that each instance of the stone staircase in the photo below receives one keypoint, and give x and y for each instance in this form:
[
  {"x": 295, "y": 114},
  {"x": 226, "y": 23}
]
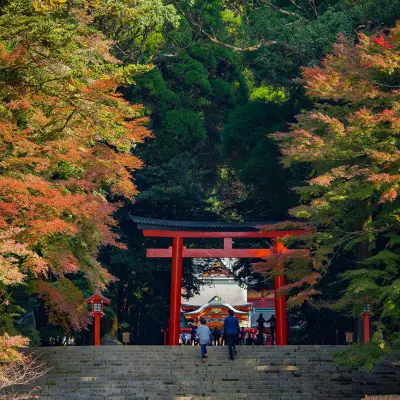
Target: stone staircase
[{"x": 156, "y": 372}]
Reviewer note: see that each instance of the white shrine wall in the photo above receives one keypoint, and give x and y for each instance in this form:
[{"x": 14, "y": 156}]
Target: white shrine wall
[{"x": 226, "y": 288}]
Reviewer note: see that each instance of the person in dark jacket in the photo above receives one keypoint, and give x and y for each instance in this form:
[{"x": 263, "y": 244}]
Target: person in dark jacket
[
  {"x": 232, "y": 331},
  {"x": 260, "y": 336},
  {"x": 249, "y": 340},
  {"x": 193, "y": 335},
  {"x": 217, "y": 336},
  {"x": 272, "y": 322},
  {"x": 242, "y": 336}
]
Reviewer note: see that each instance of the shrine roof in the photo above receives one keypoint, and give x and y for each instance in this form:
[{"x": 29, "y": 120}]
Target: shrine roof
[
  {"x": 216, "y": 304},
  {"x": 163, "y": 224},
  {"x": 97, "y": 295}
]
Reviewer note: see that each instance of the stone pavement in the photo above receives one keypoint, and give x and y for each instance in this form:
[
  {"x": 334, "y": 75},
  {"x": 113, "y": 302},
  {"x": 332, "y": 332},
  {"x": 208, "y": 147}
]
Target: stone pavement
[{"x": 158, "y": 372}]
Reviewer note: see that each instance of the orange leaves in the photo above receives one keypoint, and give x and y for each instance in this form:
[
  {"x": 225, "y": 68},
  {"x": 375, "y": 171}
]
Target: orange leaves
[
  {"x": 128, "y": 161},
  {"x": 99, "y": 48},
  {"x": 299, "y": 144},
  {"x": 136, "y": 129},
  {"x": 334, "y": 126},
  {"x": 382, "y": 41},
  {"x": 389, "y": 195},
  {"x": 10, "y": 274},
  {"x": 285, "y": 225},
  {"x": 272, "y": 266},
  {"x": 12, "y": 57},
  {"x": 368, "y": 128},
  {"x": 349, "y": 73},
  {"x": 302, "y": 286},
  {"x": 351, "y": 140},
  {"x": 56, "y": 225},
  {"x": 16, "y": 258},
  {"x": 36, "y": 265},
  {"x": 66, "y": 141},
  {"x": 8, "y": 210},
  {"x": 64, "y": 303},
  {"x": 9, "y": 346},
  {"x": 310, "y": 279},
  {"x": 344, "y": 172},
  {"x": 104, "y": 86},
  {"x": 18, "y": 104},
  {"x": 322, "y": 180},
  {"x": 303, "y": 296},
  {"x": 383, "y": 179}
]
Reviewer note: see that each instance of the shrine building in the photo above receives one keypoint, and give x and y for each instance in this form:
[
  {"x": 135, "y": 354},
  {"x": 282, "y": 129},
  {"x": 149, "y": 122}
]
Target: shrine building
[{"x": 220, "y": 293}]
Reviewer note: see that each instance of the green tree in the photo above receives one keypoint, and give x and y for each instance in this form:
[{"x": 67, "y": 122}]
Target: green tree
[{"x": 351, "y": 139}]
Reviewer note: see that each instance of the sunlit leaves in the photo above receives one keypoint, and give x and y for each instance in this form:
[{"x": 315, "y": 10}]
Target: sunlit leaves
[
  {"x": 9, "y": 346},
  {"x": 66, "y": 140},
  {"x": 351, "y": 139}
]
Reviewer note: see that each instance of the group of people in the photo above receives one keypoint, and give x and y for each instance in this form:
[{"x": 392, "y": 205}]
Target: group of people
[
  {"x": 231, "y": 334},
  {"x": 261, "y": 325},
  {"x": 217, "y": 337}
]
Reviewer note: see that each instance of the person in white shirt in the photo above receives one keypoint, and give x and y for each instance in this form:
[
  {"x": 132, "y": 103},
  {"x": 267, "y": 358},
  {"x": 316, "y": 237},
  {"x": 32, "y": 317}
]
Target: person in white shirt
[
  {"x": 203, "y": 331},
  {"x": 183, "y": 338},
  {"x": 188, "y": 338}
]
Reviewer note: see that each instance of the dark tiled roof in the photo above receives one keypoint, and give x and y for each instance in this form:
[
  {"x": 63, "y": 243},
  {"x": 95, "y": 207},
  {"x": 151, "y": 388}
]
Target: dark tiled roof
[
  {"x": 161, "y": 224},
  {"x": 97, "y": 292}
]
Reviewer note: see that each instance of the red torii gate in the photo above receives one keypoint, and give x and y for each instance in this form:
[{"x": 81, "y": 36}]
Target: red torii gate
[{"x": 179, "y": 230}]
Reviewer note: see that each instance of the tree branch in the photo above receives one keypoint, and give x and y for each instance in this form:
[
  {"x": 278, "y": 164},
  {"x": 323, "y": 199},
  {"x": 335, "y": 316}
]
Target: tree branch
[
  {"x": 261, "y": 43},
  {"x": 212, "y": 38},
  {"x": 296, "y": 5},
  {"x": 314, "y": 7},
  {"x": 285, "y": 12}
]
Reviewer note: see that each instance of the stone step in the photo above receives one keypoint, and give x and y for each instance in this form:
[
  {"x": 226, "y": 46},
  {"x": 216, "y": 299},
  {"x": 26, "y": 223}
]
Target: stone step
[
  {"x": 177, "y": 373},
  {"x": 221, "y": 396},
  {"x": 195, "y": 360},
  {"x": 198, "y": 366}
]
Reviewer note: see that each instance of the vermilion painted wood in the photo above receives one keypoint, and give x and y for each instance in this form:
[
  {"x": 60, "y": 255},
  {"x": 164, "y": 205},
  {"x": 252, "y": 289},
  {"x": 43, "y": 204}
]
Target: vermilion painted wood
[
  {"x": 227, "y": 243},
  {"x": 97, "y": 299},
  {"x": 176, "y": 291},
  {"x": 165, "y": 332},
  {"x": 243, "y": 235},
  {"x": 280, "y": 299},
  {"x": 210, "y": 253},
  {"x": 177, "y": 252},
  {"x": 97, "y": 329},
  {"x": 366, "y": 318},
  {"x": 218, "y": 253}
]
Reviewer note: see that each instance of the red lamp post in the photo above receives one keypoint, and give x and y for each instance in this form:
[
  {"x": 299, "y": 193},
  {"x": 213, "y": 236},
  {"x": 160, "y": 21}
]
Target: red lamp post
[
  {"x": 165, "y": 335},
  {"x": 366, "y": 314},
  {"x": 97, "y": 300}
]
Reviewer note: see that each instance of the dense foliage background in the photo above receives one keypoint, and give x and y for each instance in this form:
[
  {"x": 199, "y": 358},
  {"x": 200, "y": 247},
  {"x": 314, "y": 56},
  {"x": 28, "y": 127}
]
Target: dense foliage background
[{"x": 215, "y": 79}]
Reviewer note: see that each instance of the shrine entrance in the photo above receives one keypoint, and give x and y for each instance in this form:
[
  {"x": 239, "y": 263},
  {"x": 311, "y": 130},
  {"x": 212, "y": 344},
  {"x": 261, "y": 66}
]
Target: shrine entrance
[{"x": 178, "y": 231}]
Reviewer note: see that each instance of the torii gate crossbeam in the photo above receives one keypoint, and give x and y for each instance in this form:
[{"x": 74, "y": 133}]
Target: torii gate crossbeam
[{"x": 178, "y": 251}]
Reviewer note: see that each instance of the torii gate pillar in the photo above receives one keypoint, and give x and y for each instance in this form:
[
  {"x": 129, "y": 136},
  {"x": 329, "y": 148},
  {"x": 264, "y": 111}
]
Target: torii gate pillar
[
  {"x": 280, "y": 300},
  {"x": 176, "y": 289}
]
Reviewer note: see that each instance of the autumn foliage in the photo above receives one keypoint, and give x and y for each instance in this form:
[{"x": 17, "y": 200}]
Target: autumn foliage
[
  {"x": 351, "y": 140},
  {"x": 66, "y": 136}
]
